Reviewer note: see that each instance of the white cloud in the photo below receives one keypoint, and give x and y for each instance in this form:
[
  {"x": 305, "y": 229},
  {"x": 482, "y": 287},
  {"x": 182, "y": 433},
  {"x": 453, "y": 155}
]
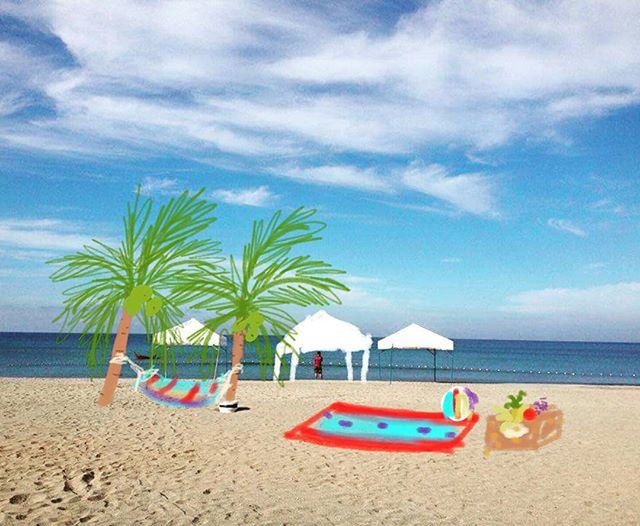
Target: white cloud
[
  {"x": 201, "y": 75},
  {"x": 620, "y": 301},
  {"x": 26, "y": 255},
  {"x": 161, "y": 185},
  {"x": 592, "y": 103},
  {"x": 365, "y": 179},
  {"x": 473, "y": 192},
  {"x": 52, "y": 234},
  {"x": 360, "y": 299},
  {"x": 479, "y": 159},
  {"x": 564, "y": 225},
  {"x": 260, "y": 196},
  {"x": 451, "y": 260},
  {"x": 608, "y": 206},
  {"x": 13, "y": 273}
]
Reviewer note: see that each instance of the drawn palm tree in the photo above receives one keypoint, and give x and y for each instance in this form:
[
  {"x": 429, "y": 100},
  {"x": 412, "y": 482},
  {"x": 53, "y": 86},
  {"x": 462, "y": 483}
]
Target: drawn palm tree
[
  {"x": 137, "y": 279},
  {"x": 253, "y": 294}
]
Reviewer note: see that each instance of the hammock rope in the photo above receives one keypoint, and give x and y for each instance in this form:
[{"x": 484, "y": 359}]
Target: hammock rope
[{"x": 175, "y": 392}]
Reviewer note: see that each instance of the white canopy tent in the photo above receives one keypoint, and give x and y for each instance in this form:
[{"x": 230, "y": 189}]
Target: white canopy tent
[
  {"x": 322, "y": 332},
  {"x": 415, "y": 337},
  {"x": 181, "y": 335}
]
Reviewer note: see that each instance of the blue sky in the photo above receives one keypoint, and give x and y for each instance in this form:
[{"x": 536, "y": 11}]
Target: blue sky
[{"x": 477, "y": 162}]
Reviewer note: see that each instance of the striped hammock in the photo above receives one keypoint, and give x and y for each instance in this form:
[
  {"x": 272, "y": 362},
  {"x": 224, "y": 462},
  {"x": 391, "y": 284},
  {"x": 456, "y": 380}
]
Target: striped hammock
[{"x": 175, "y": 392}]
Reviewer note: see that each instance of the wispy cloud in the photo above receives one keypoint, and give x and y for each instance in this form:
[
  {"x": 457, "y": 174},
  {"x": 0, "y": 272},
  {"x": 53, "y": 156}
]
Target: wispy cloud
[
  {"x": 258, "y": 77},
  {"x": 564, "y": 225},
  {"x": 609, "y": 206},
  {"x": 260, "y": 196},
  {"x": 365, "y": 179},
  {"x": 453, "y": 261},
  {"x": 614, "y": 301},
  {"x": 52, "y": 234},
  {"x": 473, "y": 193},
  {"x": 159, "y": 185},
  {"x": 26, "y": 255},
  {"x": 13, "y": 273},
  {"x": 479, "y": 159},
  {"x": 360, "y": 299}
]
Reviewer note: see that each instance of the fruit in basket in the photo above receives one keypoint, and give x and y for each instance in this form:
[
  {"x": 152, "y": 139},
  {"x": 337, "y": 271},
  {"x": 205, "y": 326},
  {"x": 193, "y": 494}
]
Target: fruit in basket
[
  {"x": 515, "y": 401},
  {"x": 513, "y": 429},
  {"x": 513, "y": 413},
  {"x": 541, "y": 405},
  {"x": 529, "y": 413}
]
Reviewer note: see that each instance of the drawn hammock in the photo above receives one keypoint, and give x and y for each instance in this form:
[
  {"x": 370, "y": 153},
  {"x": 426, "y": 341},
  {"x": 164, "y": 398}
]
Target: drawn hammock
[{"x": 175, "y": 392}]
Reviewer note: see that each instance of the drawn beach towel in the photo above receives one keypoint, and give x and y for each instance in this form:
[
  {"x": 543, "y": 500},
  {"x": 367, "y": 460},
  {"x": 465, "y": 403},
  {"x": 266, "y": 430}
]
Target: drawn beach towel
[{"x": 381, "y": 429}]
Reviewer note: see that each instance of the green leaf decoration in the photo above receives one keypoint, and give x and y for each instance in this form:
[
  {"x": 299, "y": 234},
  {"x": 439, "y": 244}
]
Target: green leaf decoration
[
  {"x": 253, "y": 296},
  {"x": 252, "y": 333},
  {"x": 153, "y": 306},
  {"x": 515, "y": 401},
  {"x": 255, "y": 319},
  {"x": 240, "y": 325},
  {"x": 163, "y": 249},
  {"x": 137, "y": 298}
]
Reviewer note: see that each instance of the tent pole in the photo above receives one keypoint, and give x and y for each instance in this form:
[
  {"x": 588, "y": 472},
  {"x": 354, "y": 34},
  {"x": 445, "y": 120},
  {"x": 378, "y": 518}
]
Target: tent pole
[
  {"x": 390, "y": 364},
  {"x": 434, "y": 366}
]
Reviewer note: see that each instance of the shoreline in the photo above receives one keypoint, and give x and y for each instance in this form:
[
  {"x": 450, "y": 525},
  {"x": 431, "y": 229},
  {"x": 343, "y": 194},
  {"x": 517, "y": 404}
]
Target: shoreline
[
  {"x": 354, "y": 382},
  {"x": 604, "y": 342}
]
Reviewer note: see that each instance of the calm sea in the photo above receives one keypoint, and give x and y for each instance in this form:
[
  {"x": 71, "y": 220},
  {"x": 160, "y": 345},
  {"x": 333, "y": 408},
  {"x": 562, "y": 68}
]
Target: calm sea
[{"x": 39, "y": 355}]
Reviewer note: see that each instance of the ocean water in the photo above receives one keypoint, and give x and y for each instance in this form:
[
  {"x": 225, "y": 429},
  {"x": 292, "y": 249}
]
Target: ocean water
[{"x": 40, "y": 355}]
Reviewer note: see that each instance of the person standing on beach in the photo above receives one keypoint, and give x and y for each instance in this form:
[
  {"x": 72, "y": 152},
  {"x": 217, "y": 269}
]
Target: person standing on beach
[{"x": 317, "y": 365}]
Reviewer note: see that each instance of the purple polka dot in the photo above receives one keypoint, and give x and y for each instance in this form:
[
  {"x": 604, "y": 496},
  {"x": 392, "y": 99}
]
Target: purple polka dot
[
  {"x": 450, "y": 434},
  {"x": 424, "y": 430},
  {"x": 345, "y": 423},
  {"x": 382, "y": 425},
  {"x": 328, "y": 415}
]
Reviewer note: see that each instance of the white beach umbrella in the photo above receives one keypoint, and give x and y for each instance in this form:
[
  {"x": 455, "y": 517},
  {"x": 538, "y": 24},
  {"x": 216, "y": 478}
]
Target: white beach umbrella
[
  {"x": 416, "y": 337},
  {"x": 323, "y": 332},
  {"x": 182, "y": 335}
]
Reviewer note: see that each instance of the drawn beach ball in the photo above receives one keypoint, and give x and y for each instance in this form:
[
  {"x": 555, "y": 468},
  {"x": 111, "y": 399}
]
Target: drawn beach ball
[{"x": 457, "y": 403}]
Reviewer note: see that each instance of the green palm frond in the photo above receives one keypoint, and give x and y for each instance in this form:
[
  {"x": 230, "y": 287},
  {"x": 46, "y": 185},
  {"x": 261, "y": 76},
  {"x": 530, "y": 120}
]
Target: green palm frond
[
  {"x": 159, "y": 252},
  {"x": 268, "y": 279}
]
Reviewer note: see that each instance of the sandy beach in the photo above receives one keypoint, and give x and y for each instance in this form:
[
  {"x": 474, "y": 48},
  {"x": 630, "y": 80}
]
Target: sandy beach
[{"x": 66, "y": 461}]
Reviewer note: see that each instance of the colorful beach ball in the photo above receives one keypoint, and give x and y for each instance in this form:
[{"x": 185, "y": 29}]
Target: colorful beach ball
[{"x": 458, "y": 403}]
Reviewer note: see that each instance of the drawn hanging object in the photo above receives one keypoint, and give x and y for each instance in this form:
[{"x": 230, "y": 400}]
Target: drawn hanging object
[{"x": 175, "y": 392}]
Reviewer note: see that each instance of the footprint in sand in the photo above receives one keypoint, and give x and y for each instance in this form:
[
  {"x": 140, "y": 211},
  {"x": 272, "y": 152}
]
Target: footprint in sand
[{"x": 18, "y": 499}]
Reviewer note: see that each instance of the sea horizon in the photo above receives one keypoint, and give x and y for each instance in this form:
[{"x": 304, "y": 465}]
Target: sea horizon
[
  {"x": 39, "y": 354},
  {"x": 624, "y": 342}
]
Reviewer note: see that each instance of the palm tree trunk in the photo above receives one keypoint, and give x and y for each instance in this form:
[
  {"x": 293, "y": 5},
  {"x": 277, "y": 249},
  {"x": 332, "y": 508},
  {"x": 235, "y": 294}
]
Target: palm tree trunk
[
  {"x": 237, "y": 352},
  {"x": 113, "y": 372}
]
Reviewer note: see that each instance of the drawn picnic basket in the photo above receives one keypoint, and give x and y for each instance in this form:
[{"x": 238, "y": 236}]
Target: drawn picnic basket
[{"x": 546, "y": 428}]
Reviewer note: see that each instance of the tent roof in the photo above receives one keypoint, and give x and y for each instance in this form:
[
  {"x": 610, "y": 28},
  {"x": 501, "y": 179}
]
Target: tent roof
[
  {"x": 416, "y": 337},
  {"x": 323, "y": 332},
  {"x": 179, "y": 335}
]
